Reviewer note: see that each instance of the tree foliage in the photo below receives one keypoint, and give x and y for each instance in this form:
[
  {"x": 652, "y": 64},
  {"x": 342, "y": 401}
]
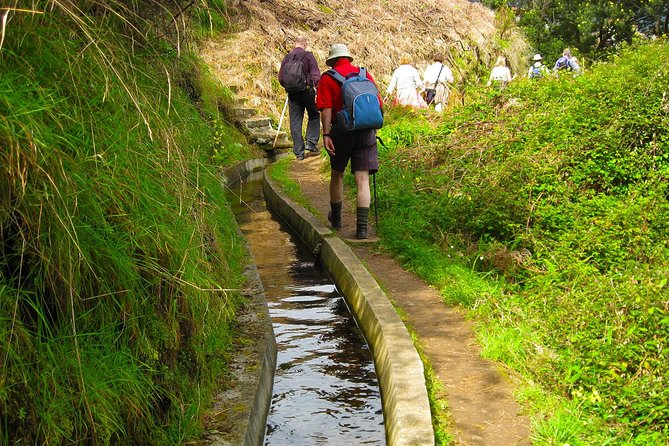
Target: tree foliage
[{"x": 593, "y": 26}]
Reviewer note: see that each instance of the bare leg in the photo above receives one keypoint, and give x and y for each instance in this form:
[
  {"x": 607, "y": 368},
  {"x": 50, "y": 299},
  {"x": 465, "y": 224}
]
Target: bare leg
[
  {"x": 362, "y": 184},
  {"x": 337, "y": 186}
]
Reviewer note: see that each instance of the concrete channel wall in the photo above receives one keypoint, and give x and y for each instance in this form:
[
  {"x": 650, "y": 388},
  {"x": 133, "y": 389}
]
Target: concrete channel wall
[{"x": 406, "y": 407}]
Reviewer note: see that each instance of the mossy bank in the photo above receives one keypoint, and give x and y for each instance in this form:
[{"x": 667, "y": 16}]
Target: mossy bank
[{"x": 120, "y": 262}]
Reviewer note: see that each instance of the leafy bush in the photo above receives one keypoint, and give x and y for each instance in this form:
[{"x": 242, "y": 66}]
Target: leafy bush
[{"x": 559, "y": 186}]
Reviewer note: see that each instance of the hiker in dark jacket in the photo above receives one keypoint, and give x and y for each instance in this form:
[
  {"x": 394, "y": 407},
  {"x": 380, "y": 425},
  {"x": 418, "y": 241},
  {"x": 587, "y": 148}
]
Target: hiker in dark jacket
[
  {"x": 301, "y": 96},
  {"x": 358, "y": 146}
]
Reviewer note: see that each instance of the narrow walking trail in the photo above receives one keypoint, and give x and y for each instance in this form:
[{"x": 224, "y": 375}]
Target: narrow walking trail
[{"x": 479, "y": 394}]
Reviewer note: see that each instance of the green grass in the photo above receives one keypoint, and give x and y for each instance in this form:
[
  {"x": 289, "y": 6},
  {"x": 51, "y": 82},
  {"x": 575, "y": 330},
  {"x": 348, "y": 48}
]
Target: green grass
[
  {"x": 279, "y": 172},
  {"x": 120, "y": 258},
  {"x": 543, "y": 211},
  {"x": 441, "y": 418}
]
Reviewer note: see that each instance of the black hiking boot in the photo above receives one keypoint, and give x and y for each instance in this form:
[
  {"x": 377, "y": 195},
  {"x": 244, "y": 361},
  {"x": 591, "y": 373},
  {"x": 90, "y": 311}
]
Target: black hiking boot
[
  {"x": 334, "y": 216},
  {"x": 361, "y": 225}
]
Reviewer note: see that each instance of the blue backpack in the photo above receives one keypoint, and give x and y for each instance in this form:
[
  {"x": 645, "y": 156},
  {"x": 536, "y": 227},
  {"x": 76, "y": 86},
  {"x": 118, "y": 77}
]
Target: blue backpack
[
  {"x": 563, "y": 63},
  {"x": 362, "y": 109},
  {"x": 536, "y": 72}
]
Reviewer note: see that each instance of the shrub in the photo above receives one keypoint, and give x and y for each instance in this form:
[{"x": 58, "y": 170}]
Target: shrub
[{"x": 559, "y": 186}]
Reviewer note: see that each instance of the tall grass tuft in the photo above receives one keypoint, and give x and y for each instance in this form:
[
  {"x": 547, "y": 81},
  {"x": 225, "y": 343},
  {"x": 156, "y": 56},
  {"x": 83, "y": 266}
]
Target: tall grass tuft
[{"x": 119, "y": 259}]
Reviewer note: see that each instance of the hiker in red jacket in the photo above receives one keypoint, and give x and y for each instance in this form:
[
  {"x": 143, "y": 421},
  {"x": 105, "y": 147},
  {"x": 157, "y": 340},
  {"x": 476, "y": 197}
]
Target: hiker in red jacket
[{"x": 359, "y": 146}]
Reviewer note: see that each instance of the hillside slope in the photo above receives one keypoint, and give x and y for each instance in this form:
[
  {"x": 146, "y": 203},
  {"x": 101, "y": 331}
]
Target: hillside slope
[
  {"x": 555, "y": 192},
  {"x": 119, "y": 257},
  {"x": 377, "y": 32}
]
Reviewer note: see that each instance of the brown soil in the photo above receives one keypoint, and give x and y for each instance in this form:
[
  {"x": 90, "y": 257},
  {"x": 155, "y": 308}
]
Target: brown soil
[{"x": 478, "y": 392}]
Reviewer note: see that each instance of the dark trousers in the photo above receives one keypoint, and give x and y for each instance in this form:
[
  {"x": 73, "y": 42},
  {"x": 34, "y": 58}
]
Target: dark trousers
[{"x": 297, "y": 104}]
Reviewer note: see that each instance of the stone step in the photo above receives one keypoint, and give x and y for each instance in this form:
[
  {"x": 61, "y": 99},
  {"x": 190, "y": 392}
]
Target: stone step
[
  {"x": 242, "y": 113},
  {"x": 256, "y": 123},
  {"x": 259, "y": 129},
  {"x": 267, "y": 138}
]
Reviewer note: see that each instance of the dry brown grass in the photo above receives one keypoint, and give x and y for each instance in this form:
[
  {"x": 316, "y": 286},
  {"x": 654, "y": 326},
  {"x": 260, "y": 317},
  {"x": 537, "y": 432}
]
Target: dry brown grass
[{"x": 377, "y": 32}]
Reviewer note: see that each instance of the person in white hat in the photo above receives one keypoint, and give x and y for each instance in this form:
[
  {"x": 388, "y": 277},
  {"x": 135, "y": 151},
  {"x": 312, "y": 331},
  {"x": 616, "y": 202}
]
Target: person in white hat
[
  {"x": 537, "y": 69},
  {"x": 357, "y": 146}
]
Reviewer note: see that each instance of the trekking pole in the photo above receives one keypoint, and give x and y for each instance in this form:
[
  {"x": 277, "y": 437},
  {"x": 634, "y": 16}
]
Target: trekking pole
[
  {"x": 376, "y": 208},
  {"x": 283, "y": 112}
]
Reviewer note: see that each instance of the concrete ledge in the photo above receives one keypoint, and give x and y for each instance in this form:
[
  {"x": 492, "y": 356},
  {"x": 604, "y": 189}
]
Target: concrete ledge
[
  {"x": 310, "y": 230},
  {"x": 260, "y": 402},
  {"x": 241, "y": 170},
  {"x": 406, "y": 407},
  {"x": 259, "y": 409}
]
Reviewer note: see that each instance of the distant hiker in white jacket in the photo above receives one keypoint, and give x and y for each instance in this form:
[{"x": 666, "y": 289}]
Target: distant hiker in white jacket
[
  {"x": 408, "y": 84},
  {"x": 500, "y": 74},
  {"x": 437, "y": 76}
]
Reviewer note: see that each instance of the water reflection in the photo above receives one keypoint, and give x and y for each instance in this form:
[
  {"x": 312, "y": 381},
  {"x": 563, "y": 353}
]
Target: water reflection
[{"x": 325, "y": 387}]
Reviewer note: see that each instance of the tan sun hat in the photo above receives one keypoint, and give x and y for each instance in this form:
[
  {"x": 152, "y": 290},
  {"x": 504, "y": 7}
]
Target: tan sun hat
[
  {"x": 336, "y": 51},
  {"x": 537, "y": 57}
]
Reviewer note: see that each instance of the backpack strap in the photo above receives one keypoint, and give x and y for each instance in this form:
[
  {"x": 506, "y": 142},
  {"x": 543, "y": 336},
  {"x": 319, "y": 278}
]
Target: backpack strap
[
  {"x": 300, "y": 56},
  {"x": 335, "y": 75},
  {"x": 340, "y": 78},
  {"x": 438, "y": 75}
]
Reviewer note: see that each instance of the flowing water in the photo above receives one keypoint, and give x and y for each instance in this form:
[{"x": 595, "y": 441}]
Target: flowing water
[{"x": 325, "y": 388}]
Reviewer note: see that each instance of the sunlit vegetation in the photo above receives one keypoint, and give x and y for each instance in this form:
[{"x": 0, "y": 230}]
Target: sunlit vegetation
[
  {"x": 544, "y": 210},
  {"x": 119, "y": 258},
  {"x": 594, "y": 28}
]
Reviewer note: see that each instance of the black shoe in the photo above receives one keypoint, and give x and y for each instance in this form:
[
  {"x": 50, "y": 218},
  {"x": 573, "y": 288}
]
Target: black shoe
[
  {"x": 299, "y": 157},
  {"x": 335, "y": 224}
]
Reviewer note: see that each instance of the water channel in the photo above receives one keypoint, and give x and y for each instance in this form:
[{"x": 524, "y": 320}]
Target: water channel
[{"x": 325, "y": 388}]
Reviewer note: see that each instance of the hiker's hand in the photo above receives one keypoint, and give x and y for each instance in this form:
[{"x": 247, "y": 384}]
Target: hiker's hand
[{"x": 329, "y": 145}]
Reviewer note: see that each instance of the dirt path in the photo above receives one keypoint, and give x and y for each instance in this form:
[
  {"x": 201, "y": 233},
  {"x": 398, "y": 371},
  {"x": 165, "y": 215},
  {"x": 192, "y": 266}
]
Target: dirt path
[{"x": 483, "y": 411}]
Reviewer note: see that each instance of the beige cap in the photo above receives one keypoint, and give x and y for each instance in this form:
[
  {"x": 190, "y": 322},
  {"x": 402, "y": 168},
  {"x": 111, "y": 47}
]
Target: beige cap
[
  {"x": 537, "y": 57},
  {"x": 336, "y": 51}
]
